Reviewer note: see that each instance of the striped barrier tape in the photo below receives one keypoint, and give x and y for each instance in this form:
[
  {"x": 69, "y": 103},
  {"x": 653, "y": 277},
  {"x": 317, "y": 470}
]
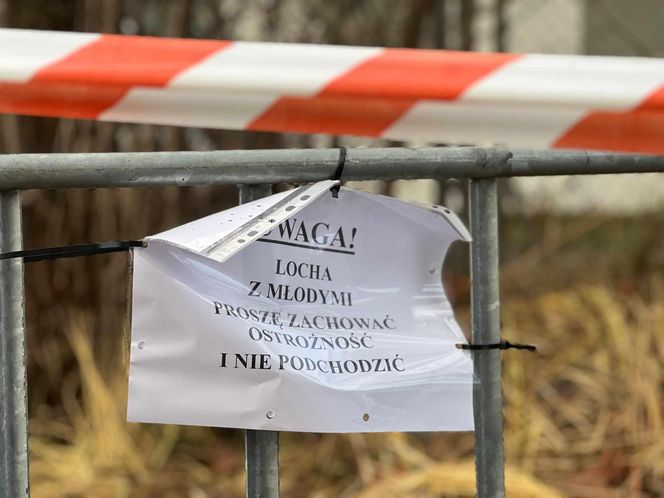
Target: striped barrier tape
[{"x": 434, "y": 96}]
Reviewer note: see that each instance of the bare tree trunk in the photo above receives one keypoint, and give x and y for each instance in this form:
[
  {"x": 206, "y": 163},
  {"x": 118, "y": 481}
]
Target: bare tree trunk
[
  {"x": 413, "y": 28},
  {"x": 179, "y": 18},
  {"x": 440, "y": 25},
  {"x": 102, "y": 16},
  {"x": 467, "y": 17},
  {"x": 10, "y": 137},
  {"x": 501, "y": 25}
]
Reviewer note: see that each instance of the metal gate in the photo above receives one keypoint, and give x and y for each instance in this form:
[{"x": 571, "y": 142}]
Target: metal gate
[{"x": 255, "y": 172}]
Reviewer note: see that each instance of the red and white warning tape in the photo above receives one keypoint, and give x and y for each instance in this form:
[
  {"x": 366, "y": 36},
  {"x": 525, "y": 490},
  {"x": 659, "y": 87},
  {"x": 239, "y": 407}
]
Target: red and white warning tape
[{"x": 606, "y": 103}]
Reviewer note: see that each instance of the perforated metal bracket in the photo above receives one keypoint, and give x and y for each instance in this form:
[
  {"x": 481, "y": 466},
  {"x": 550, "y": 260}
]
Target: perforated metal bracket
[{"x": 244, "y": 235}]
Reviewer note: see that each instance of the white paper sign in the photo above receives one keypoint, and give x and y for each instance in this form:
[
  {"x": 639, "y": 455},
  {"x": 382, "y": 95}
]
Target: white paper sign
[{"x": 301, "y": 312}]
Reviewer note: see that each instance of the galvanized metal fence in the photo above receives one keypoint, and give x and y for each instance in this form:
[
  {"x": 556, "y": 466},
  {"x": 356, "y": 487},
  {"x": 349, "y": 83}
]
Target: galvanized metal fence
[{"x": 255, "y": 172}]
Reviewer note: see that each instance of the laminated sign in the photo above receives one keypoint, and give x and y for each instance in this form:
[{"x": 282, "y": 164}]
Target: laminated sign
[{"x": 301, "y": 311}]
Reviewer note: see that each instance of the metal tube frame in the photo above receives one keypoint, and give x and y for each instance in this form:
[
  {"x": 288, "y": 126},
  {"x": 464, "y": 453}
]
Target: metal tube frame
[
  {"x": 485, "y": 318},
  {"x": 261, "y": 454},
  {"x": 163, "y": 169},
  {"x": 257, "y": 170},
  {"x": 13, "y": 379}
]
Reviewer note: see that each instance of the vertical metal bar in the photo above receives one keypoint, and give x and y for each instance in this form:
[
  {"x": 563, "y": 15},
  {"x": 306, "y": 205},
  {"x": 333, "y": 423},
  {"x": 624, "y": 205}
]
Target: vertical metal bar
[
  {"x": 262, "y": 463},
  {"x": 13, "y": 381},
  {"x": 485, "y": 302},
  {"x": 261, "y": 447}
]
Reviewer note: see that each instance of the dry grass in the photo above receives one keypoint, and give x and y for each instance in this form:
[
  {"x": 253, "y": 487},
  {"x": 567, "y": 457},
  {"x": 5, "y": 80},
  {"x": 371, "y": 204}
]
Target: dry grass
[
  {"x": 583, "y": 419},
  {"x": 587, "y": 413}
]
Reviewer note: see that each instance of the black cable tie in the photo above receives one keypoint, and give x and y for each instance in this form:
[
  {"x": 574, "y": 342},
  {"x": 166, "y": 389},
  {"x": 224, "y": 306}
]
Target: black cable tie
[
  {"x": 33, "y": 255},
  {"x": 339, "y": 172},
  {"x": 497, "y": 345}
]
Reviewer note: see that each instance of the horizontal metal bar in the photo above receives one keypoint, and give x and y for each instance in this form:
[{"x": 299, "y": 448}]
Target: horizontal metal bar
[{"x": 158, "y": 169}]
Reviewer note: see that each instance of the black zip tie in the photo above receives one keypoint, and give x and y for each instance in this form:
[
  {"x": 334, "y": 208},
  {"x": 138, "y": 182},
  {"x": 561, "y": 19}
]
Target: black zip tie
[
  {"x": 33, "y": 255},
  {"x": 497, "y": 345},
  {"x": 339, "y": 172}
]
